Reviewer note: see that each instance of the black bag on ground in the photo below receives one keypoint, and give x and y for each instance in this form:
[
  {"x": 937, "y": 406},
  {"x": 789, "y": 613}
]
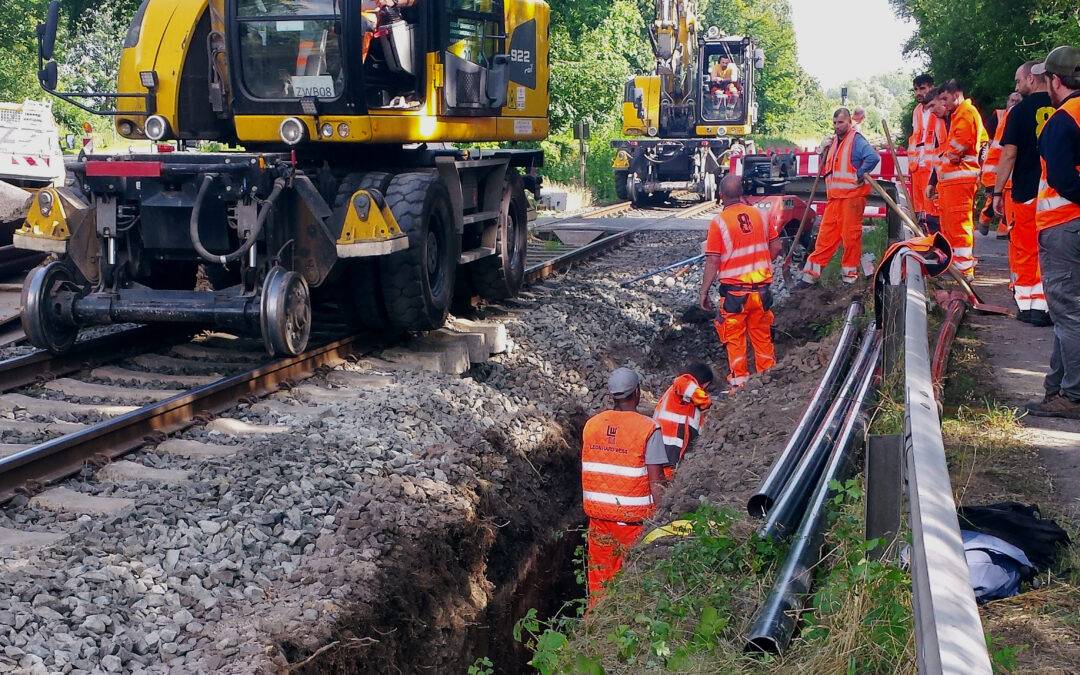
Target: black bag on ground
[{"x": 1022, "y": 526}]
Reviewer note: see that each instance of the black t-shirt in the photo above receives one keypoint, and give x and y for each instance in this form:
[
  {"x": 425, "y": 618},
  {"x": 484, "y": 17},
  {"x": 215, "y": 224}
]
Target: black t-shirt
[{"x": 1022, "y": 129}]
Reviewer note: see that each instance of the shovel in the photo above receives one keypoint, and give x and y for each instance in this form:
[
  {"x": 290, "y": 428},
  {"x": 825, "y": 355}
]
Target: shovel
[
  {"x": 896, "y": 162},
  {"x": 785, "y": 267},
  {"x": 976, "y": 302}
]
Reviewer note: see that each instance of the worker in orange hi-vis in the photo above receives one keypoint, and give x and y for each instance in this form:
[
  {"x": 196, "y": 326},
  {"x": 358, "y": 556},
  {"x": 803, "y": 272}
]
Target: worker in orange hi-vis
[
  {"x": 928, "y": 132},
  {"x": 990, "y": 163},
  {"x": 739, "y": 252},
  {"x": 848, "y": 160},
  {"x": 1017, "y": 189},
  {"x": 622, "y": 478},
  {"x": 681, "y": 412},
  {"x": 956, "y": 176}
]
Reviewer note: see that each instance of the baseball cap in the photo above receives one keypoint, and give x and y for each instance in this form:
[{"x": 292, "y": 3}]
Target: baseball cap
[
  {"x": 623, "y": 382},
  {"x": 1063, "y": 60}
]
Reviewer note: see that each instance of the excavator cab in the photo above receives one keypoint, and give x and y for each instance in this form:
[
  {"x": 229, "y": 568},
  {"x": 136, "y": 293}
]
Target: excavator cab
[{"x": 727, "y": 81}]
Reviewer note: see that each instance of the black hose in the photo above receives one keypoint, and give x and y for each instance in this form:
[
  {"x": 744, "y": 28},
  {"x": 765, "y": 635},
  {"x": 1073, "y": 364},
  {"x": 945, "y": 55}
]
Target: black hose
[
  {"x": 790, "y": 505},
  {"x": 253, "y": 235},
  {"x": 762, "y": 502},
  {"x": 775, "y": 622}
]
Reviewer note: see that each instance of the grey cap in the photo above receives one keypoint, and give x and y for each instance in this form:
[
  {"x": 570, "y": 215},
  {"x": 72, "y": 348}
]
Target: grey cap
[
  {"x": 622, "y": 383},
  {"x": 1063, "y": 61}
]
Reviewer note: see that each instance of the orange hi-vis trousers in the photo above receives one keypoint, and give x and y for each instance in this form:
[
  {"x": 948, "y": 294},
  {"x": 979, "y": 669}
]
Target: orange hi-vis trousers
[
  {"x": 920, "y": 178},
  {"x": 842, "y": 222},
  {"x": 957, "y": 199},
  {"x": 608, "y": 541},
  {"x": 733, "y": 327},
  {"x": 1024, "y": 258}
]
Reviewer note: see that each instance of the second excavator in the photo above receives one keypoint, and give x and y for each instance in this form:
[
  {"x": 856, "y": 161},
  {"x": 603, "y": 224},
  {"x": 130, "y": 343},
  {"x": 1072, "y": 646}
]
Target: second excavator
[{"x": 695, "y": 109}]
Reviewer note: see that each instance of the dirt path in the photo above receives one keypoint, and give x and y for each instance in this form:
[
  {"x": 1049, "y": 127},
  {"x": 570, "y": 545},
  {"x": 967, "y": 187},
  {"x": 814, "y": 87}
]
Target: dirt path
[{"x": 1019, "y": 355}]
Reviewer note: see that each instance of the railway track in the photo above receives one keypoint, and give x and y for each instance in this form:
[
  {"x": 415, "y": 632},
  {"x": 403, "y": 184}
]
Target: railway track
[
  {"x": 547, "y": 257},
  {"x": 117, "y": 393}
]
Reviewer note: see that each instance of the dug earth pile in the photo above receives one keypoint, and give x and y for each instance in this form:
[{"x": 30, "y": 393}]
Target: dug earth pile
[{"x": 396, "y": 521}]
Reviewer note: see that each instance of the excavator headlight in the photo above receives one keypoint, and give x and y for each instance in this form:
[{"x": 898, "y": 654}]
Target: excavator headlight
[
  {"x": 326, "y": 130},
  {"x": 45, "y": 202},
  {"x": 156, "y": 128},
  {"x": 126, "y": 128},
  {"x": 292, "y": 130},
  {"x": 652, "y": 131},
  {"x": 343, "y": 130},
  {"x": 148, "y": 79}
]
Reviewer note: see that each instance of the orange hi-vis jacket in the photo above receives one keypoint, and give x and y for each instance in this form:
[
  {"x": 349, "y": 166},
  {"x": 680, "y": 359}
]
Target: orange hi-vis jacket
[
  {"x": 679, "y": 412},
  {"x": 929, "y": 131},
  {"x": 745, "y": 259},
  {"x": 958, "y": 161},
  {"x": 614, "y": 478},
  {"x": 1052, "y": 209},
  {"x": 993, "y": 153},
  {"x": 841, "y": 179}
]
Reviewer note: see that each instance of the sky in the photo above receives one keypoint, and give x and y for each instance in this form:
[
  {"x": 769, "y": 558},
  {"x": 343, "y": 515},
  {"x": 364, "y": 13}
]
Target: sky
[{"x": 873, "y": 38}]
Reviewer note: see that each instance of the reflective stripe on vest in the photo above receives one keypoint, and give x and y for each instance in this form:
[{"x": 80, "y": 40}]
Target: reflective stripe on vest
[
  {"x": 1052, "y": 209},
  {"x": 993, "y": 154},
  {"x": 614, "y": 478},
  {"x": 679, "y": 411},
  {"x": 745, "y": 259},
  {"x": 840, "y": 175},
  {"x": 968, "y": 167}
]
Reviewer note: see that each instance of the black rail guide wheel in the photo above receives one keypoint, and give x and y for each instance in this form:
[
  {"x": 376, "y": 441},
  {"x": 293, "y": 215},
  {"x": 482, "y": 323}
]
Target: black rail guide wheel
[
  {"x": 48, "y": 294},
  {"x": 285, "y": 312}
]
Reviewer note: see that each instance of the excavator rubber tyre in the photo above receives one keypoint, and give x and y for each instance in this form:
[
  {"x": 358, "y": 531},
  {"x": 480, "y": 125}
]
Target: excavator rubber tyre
[
  {"x": 43, "y": 316},
  {"x": 622, "y": 191},
  {"x": 500, "y": 276},
  {"x": 365, "y": 289},
  {"x": 285, "y": 312},
  {"x": 418, "y": 283}
]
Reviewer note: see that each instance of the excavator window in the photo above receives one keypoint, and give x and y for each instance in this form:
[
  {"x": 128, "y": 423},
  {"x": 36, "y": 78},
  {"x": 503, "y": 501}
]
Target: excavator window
[
  {"x": 291, "y": 48},
  {"x": 723, "y": 84},
  {"x": 475, "y": 30}
]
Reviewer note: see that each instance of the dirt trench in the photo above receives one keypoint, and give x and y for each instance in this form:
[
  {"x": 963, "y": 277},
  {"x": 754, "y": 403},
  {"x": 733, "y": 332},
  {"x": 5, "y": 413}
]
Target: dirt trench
[{"x": 453, "y": 593}]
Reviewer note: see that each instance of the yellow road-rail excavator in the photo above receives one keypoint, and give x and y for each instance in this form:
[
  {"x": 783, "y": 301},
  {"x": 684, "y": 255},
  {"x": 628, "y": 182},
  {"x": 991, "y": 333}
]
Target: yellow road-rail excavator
[
  {"x": 683, "y": 119},
  {"x": 351, "y": 192}
]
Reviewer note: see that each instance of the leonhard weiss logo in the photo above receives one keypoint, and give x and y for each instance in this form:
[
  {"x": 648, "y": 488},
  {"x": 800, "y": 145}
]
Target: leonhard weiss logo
[{"x": 612, "y": 431}]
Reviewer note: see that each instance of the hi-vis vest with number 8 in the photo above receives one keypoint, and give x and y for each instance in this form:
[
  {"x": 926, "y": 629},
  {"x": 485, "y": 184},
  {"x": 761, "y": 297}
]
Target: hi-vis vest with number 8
[
  {"x": 1052, "y": 209},
  {"x": 745, "y": 259},
  {"x": 614, "y": 479}
]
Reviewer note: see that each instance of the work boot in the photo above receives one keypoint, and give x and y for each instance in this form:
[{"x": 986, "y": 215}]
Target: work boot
[
  {"x": 1055, "y": 406},
  {"x": 1040, "y": 318},
  {"x": 1024, "y": 316}
]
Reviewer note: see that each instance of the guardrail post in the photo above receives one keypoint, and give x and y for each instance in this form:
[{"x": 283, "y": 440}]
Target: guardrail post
[{"x": 884, "y": 490}]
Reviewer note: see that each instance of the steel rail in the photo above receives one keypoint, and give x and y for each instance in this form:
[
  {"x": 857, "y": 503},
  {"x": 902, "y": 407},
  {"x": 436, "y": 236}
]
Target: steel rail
[
  {"x": 61, "y": 457},
  {"x": 775, "y": 622},
  {"x": 762, "y": 501},
  {"x": 41, "y": 366},
  {"x": 547, "y": 268},
  {"x": 948, "y": 630}
]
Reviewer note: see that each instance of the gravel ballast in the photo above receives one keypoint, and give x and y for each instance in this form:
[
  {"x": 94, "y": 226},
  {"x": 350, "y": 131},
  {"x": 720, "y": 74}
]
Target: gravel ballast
[{"x": 380, "y": 530}]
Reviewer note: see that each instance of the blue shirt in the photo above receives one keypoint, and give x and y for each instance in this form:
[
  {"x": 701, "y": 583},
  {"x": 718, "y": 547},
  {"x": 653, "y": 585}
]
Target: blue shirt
[
  {"x": 1059, "y": 145},
  {"x": 863, "y": 156}
]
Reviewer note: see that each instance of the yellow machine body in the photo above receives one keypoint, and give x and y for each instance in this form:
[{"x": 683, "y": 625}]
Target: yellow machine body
[
  {"x": 641, "y": 107},
  {"x": 164, "y": 34}
]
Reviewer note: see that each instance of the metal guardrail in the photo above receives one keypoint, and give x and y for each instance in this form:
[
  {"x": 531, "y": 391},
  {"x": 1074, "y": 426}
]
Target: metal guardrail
[{"x": 948, "y": 629}]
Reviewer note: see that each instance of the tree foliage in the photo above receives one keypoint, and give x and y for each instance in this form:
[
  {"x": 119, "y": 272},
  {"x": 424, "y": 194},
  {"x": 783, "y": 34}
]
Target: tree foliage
[{"x": 981, "y": 42}]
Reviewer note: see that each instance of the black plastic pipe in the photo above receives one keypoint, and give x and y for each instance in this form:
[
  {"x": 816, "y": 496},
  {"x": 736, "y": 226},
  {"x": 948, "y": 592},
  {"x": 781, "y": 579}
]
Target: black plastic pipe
[
  {"x": 775, "y": 622},
  {"x": 785, "y": 514},
  {"x": 762, "y": 502}
]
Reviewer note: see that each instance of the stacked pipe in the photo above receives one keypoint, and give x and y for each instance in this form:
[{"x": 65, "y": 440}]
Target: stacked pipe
[
  {"x": 793, "y": 495},
  {"x": 775, "y": 622}
]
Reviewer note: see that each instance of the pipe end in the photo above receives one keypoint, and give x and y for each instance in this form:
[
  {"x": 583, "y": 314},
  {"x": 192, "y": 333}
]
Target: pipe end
[
  {"x": 762, "y": 644},
  {"x": 758, "y": 506}
]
